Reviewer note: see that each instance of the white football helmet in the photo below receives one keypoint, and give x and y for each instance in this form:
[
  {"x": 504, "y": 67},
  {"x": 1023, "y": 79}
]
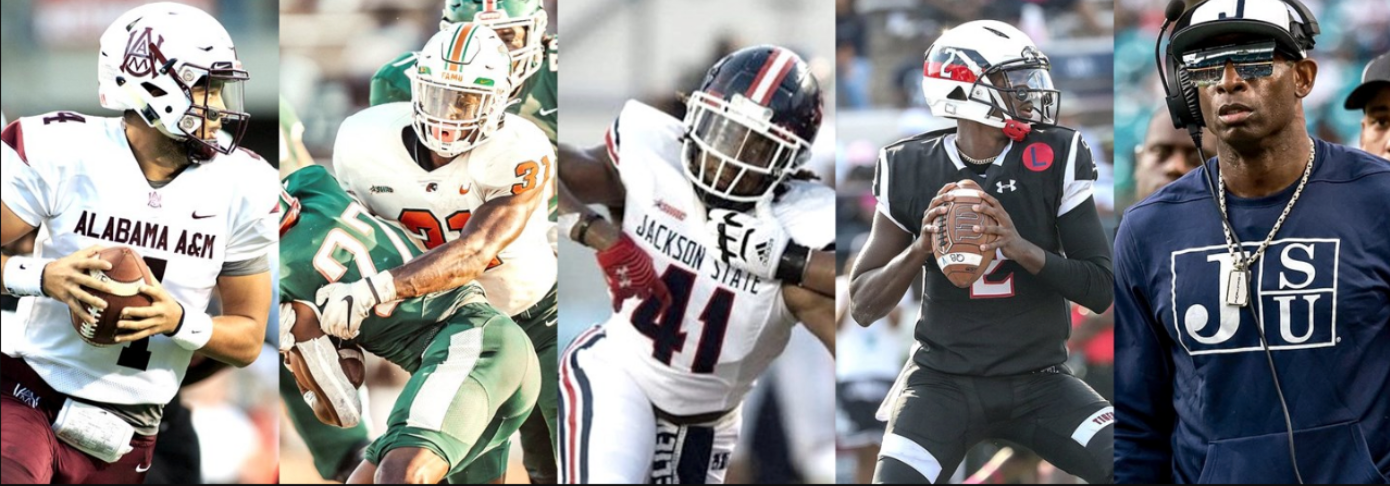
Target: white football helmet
[
  {"x": 520, "y": 24},
  {"x": 176, "y": 67},
  {"x": 989, "y": 72},
  {"x": 459, "y": 88}
]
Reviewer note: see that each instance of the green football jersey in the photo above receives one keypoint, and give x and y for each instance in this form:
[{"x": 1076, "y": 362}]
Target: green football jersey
[
  {"x": 336, "y": 240},
  {"x": 539, "y": 98}
]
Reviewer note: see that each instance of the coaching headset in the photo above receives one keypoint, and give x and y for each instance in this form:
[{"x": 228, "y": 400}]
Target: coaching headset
[{"x": 1186, "y": 110}]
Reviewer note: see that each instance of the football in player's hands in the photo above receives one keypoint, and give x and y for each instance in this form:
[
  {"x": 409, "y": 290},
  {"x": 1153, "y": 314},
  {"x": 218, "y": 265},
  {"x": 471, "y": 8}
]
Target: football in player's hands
[
  {"x": 128, "y": 273},
  {"x": 327, "y": 371},
  {"x": 955, "y": 243}
]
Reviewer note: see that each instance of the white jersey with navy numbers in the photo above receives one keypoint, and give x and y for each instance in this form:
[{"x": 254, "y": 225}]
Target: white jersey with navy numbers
[
  {"x": 374, "y": 163},
  {"x": 76, "y": 179},
  {"x": 724, "y": 326}
]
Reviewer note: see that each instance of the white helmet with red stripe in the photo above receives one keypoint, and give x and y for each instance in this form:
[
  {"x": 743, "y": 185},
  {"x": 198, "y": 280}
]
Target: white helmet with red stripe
[
  {"x": 750, "y": 125},
  {"x": 989, "y": 72},
  {"x": 459, "y": 88},
  {"x": 177, "y": 68}
]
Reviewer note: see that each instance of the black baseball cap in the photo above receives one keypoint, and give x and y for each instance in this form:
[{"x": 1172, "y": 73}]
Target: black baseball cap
[{"x": 1375, "y": 77}]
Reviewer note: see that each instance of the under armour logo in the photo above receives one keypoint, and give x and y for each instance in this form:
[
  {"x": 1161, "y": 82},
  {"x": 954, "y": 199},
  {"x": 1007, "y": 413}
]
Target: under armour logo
[
  {"x": 1011, "y": 186},
  {"x": 624, "y": 281}
]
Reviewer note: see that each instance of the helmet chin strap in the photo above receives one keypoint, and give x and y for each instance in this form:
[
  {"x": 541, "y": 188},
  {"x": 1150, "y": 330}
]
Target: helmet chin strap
[{"x": 1016, "y": 130}]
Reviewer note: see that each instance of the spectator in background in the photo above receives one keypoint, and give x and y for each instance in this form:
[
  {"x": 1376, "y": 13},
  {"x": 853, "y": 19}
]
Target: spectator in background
[
  {"x": 1372, "y": 97},
  {"x": 1166, "y": 154}
]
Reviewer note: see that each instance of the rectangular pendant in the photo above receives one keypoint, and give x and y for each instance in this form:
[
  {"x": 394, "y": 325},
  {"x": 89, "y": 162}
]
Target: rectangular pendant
[{"x": 1238, "y": 288}]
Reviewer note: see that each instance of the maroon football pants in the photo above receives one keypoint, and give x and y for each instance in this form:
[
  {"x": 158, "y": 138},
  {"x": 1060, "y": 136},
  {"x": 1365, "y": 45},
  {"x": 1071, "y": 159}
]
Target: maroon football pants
[{"x": 32, "y": 454}]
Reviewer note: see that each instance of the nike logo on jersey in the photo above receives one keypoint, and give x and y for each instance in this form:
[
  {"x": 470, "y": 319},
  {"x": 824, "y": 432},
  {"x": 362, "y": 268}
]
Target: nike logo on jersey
[
  {"x": 143, "y": 469},
  {"x": 197, "y": 216},
  {"x": 464, "y": 190},
  {"x": 552, "y": 111}
]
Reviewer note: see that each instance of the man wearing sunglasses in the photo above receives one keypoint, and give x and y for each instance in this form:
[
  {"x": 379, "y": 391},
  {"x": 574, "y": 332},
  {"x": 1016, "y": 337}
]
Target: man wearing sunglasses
[{"x": 1253, "y": 338}]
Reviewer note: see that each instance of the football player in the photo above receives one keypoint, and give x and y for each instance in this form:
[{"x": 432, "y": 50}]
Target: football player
[
  {"x": 467, "y": 180},
  {"x": 521, "y": 24},
  {"x": 474, "y": 375},
  {"x": 166, "y": 179},
  {"x": 990, "y": 364},
  {"x": 1372, "y": 97},
  {"x": 654, "y": 395},
  {"x": 1252, "y": 338}
]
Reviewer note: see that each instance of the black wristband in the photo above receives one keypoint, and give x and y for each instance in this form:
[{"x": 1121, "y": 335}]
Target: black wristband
[
  {"x": 583, "y": 227},
  {"x": 792, "y": 267},
  {"x": 181, "y": 316}
]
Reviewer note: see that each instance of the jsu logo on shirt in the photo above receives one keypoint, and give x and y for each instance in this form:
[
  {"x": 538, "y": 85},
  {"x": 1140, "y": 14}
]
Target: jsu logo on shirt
[{"x": 1297, "y": 297}]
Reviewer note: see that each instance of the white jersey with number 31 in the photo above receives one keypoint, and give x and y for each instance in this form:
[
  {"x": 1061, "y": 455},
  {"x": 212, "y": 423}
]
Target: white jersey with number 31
[
  {"x": 725, "y": 326},
  {"x": 76, "y": 178},
  {"x": 374, "y": 160}
]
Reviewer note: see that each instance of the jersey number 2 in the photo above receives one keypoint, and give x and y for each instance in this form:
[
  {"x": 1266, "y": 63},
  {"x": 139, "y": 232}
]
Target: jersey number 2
[
  {"x": 136, "y": 355},
  {"x": 991, "y": 285},
  {"x": 668, "y": 337}
]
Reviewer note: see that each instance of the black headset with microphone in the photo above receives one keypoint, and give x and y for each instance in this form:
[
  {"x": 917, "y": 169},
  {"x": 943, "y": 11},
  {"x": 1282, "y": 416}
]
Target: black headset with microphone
[{"x": 1185, "y": 108}]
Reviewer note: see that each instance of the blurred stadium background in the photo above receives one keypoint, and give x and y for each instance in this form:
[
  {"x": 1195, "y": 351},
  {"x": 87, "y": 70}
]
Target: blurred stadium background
[
  {"x": 329, "y": 51},
  {"x": 879, "y": 49},
  {"x": 1353, "y": 32},
  {"x": 49, "y": 60},
  {"x": 651, "y": 51}
]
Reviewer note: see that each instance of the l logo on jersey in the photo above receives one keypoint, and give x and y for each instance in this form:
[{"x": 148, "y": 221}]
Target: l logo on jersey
[
  {"x": 138, "y": 62},
  {"x": 1297, "y": 298}
]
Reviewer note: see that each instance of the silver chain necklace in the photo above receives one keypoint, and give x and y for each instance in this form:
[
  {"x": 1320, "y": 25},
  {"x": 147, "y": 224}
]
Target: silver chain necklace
[{"x": 1237, "y": 282}]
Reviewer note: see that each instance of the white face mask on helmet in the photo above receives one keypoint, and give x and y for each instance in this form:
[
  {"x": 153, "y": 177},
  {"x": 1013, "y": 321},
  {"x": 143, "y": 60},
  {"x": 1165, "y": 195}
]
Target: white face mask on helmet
[
  {"x": 459, "y": 89},
  {"x": 989, "y": 72},
  {"x": 177, "y": 68}
]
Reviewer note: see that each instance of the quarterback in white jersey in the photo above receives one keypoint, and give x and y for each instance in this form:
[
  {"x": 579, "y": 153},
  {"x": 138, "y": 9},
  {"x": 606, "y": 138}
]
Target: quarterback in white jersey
[
  {"x": 166, "y": 180},
  {"x": 664, "y": 379}
]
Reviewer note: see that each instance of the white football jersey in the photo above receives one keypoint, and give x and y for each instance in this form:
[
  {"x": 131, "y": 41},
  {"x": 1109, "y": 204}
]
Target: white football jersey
[
  {"x": 725, "y": 326},
  {"x": 375, "y": 165},
  {"x": 76, "y": 178}
]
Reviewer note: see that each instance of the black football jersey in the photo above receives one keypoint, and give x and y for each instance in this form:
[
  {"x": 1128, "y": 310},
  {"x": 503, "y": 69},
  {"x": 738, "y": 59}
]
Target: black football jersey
[{"x": 1008, "y": 322}]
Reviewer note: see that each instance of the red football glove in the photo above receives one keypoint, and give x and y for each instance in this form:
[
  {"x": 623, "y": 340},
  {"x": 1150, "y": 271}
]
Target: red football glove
[{"x": 629, "y": 273}]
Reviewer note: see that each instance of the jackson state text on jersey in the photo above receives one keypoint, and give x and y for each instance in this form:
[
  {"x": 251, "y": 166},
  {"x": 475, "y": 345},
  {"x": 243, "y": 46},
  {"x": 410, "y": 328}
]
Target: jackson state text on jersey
[
  {"x": 724, "y": 326},
  {"x": 211, "y": 214},
  {"x": 374, "y": 164}
]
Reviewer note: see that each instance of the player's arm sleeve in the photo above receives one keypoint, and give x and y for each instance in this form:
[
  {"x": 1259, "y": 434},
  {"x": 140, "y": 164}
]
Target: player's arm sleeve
[
  {"x": 31, "y": 189},
  {"x": 882, "y": 190},
  {"x": 256, "y": 226},
  {"x": 1083, "y": 276},
  {"x": 1143, "y": 377}
]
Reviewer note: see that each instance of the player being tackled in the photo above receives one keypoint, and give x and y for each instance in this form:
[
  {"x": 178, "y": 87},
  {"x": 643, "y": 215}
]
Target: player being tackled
[
  {"x": 474, "y": 375},
  {"x": 204, "y": 209},
  {"x": 467, "y": 181}
]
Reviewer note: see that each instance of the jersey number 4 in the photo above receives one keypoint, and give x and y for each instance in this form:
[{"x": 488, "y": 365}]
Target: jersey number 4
[
  {"x": 667, "y": 334},
  {"x": 136, "y": 355}
]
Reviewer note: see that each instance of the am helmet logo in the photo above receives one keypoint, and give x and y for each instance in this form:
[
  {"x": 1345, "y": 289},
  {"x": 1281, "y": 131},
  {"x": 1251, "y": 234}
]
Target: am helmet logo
[{"x": 138, "y": 60}]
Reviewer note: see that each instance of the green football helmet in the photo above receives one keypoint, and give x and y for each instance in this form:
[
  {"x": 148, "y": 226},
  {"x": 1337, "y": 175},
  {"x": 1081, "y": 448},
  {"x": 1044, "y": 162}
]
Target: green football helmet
[{"x": 520, "y": 23}]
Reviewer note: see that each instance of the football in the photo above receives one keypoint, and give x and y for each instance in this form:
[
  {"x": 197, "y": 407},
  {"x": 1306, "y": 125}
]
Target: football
[
  {"x": 956, "y": 244},
  {"x": 128, "y": 273},
  {"x": 312, "y": 382}
]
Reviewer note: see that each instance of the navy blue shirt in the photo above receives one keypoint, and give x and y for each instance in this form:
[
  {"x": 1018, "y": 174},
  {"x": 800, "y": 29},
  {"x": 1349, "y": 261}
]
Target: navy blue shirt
[{"x": 1195, "y": 399}]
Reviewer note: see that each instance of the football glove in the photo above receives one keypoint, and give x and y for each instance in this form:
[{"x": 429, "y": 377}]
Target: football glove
[
  {"x": 752, "y": 243},
  {"x": 629, "y": 273},
  {"x": 345, "y": 306}
]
